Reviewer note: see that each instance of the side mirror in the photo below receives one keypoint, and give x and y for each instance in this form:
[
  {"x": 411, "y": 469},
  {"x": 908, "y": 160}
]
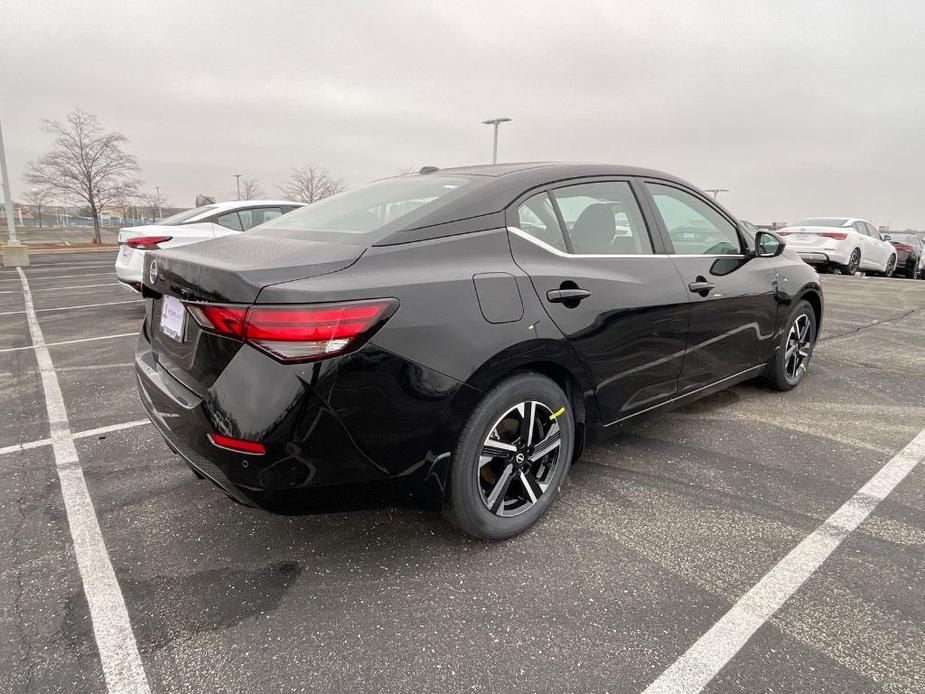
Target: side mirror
[
  {"x": 768, "y": 245},
  {"x": 886, "y": 237}
]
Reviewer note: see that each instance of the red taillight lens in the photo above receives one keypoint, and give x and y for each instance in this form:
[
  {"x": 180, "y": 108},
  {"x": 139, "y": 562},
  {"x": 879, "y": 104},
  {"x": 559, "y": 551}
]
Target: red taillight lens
[
  {"x": 902, "y": 246},
  {"x": 237, "y": 445},
  {"x": 147, "y": 243},
  {"x": 227, "y": 320},
  {"x": 298, "y": 333},
  {"x": 838, "y": 235}
]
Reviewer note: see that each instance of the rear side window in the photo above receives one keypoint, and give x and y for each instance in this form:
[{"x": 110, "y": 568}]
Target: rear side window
[
  {"x": 230, "y": 220},
  {"x": 694, "y": 226},
  {"x": 253, "y": 217},
  {"x": 537, "y": 217},
  {"x": 603, "y": 219}
]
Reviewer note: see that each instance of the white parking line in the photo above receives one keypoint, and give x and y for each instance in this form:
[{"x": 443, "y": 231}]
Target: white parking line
[
  {"x": 16, "y": 448},
  {"x": 61, "y": 289},
  {"x": 115, "y": 641},
  {"x": 693, "y": 671},
  {"x": 68, "y": 308},
  {"x": 63, "y": 277},
  {"x": 70, "y": 342}
]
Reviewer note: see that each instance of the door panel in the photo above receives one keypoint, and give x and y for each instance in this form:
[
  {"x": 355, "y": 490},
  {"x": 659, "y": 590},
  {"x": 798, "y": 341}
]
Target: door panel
[
  {"x": 629, "y": 331},
  {"x": 733, "y": 305}
]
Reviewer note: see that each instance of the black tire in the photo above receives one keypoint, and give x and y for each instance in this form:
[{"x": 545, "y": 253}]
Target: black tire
[
  {"x": 854, "y": 262},
  {"x": 890, "y": 266},
  {"x": 466, "y": 504},
  {"x": 782, "y": 374}
]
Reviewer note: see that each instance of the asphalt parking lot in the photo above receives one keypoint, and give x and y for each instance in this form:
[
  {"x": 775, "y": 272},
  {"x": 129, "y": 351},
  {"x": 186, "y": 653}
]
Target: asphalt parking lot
[{"x": 657, "y": 534}]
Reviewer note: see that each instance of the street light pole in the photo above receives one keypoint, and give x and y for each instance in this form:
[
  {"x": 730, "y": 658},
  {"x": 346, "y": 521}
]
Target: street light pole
[
  {"x": 237, "y": 184},
  {"x": 494, "y": 145},
  {"x": 157, "y": 190},
  {"x": 716, "y": 191},
  {"x": 14, "y": 252}
]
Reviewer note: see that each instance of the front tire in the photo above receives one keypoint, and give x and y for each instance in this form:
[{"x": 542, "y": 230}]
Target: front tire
[
  {"x": 511, "y": 458},
  {"x": 795, "y": 349},
  {"x": 890, "y": 266}
]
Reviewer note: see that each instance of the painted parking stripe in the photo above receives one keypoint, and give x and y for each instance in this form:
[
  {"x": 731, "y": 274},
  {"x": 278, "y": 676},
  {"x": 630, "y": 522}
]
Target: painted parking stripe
[
  {"x": 16, "y": 448},
  {"x": 61, "y": 289},
  {"x": 693, "y": 671},
  {"x": 122, "y": 668},
  {"x": 70, "y": 342},
  {"x": 68, "y": 308},
  {"x": 63, "y": 277}
]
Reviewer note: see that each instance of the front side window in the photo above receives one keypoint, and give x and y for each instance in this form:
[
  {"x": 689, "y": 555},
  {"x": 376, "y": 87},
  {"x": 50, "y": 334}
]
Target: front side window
[
  {"x": 537, "y": 217},
  {"x": 872, "y": 231},
  {"x": 603, "y": 219},
  {"x": 695, "y": 228}
]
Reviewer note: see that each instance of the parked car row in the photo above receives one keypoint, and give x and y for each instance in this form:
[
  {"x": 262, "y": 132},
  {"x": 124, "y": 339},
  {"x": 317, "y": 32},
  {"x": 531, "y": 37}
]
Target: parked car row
[
  {"x": 847, "y": 245},
  {"x": 455, "y": 338}
]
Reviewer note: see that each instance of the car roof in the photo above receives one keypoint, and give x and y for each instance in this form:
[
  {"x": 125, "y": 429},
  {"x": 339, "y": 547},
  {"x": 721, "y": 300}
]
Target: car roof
[
  {"x": 235, "y": 204},
  {"x": 496, "y": 187}
]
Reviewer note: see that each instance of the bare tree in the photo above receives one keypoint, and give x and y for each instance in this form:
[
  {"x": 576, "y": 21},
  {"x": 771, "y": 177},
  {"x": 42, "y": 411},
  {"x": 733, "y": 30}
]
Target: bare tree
[
  {"x": 154, "y": 201},
  {"x": 87, "y": 162},
  {"x": 250, "y": 189},
  {"x": 37, "y": 199},
  {"x": 310, "y": 183}
]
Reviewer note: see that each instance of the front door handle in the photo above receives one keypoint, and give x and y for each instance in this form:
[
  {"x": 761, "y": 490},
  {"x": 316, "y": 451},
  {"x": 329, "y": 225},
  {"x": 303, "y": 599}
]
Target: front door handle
[
  {"x": 559, "y": 296},
  {"x": 701, "y": 286}
]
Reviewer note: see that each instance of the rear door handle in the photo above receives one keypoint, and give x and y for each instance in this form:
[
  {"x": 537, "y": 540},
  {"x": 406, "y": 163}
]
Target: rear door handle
[
  {"x": 558, "y": 296},
  {"x": 701, "y": 286}
]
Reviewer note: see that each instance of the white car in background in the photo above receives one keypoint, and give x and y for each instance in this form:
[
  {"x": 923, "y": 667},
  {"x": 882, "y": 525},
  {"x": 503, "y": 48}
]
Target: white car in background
[
  {"x": 193, "y": 226},
  {"x": 845, "y": 244}
]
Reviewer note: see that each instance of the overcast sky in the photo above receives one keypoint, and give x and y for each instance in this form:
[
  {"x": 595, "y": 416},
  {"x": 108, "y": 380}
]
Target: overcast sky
[{"x": 799, "y": 108}]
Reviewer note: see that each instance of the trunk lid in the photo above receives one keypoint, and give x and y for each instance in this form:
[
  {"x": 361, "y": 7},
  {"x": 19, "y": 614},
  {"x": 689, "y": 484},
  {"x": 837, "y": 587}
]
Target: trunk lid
[{"x": 231, "y": 270}]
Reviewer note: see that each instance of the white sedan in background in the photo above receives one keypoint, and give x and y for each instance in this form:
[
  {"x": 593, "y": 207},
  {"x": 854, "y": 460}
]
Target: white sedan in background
[
  {"x": 201, "y": 224},
  {"x": 845, "y": 244}
]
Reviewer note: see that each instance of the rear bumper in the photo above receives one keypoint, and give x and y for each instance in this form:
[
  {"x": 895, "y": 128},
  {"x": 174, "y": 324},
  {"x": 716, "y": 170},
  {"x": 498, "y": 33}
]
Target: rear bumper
[
  {"x": 822, "y": 257},
  {"x": 129, "y": 265},
  {"x": 364, "y": 429}
]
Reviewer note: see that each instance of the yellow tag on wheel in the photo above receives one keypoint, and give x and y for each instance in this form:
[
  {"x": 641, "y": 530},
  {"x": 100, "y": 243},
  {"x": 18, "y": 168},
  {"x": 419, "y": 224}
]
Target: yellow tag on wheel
[{"x": 556, "y": 413}]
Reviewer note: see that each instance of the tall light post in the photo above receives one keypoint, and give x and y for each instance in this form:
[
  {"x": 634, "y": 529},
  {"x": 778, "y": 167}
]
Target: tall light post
[
  {"x": 157, "y": 190},
  {"x": 494, "y": 145},
  {"x": 716, "y": 191},
  {"x": 14, "y": 252},
  {"x": 237, "y": 184}
]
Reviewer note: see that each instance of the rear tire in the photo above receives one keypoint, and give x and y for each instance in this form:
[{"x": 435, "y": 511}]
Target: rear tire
[
  {"x": 502, "y": 477},
  {"x": 794, "y": 350},
  {"x": 854, "y": 262}
]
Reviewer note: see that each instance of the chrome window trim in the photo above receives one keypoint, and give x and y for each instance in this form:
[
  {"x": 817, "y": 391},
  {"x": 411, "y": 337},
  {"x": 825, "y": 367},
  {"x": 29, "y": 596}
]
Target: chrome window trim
[{"x": 555, "y": 251}]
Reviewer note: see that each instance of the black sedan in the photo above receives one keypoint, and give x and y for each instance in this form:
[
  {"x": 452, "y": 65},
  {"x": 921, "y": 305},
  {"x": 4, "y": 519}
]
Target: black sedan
[
  {"x": 456, "y": 338},
  {"x": 909, "y": 252}
]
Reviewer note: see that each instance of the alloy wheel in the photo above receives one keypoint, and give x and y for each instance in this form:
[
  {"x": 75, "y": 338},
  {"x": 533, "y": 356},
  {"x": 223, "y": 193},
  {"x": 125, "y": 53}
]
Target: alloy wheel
[
  {"x": 799, "y": 347},
  {"x": 853, "y": 262},
  {"x": 519, "y": 458},
  {"x": 890, "y": 265}
]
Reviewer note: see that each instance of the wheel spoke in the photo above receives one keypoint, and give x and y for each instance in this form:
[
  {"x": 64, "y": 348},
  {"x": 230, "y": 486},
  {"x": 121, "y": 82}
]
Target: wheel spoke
[
  {"x": 499, "y": 491},
  {"x": 496, "y": 449},
  {"x": 528, "y": 418},
  {"x": 532, "y": 485},
  {"x": 803, "y": 327},
  {"x": 547, "y": 445}
]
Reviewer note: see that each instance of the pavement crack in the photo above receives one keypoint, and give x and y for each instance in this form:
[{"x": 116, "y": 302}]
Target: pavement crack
[{"x": 874, "y": 324}]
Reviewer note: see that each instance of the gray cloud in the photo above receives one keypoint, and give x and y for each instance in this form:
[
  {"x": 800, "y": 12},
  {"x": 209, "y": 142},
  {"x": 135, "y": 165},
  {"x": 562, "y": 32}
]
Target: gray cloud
[{"x": 799, "y": 108}]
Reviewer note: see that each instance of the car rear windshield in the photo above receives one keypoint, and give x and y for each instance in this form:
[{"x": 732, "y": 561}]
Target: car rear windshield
[
  {"x": 821, "y": 222},
  {"x": 373, "y": 206},
  {"x": 181, "y": 217}
]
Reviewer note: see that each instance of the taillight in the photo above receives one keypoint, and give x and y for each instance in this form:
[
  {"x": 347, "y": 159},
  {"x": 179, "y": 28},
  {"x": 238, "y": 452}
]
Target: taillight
[
  {"x": 237, "y": 445},
  {"x": 298, "y": 333},
  {"x": 838, "y": 235},
  {"x": 147, "y": 243},
  {"x": 902, "y": 246}
]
